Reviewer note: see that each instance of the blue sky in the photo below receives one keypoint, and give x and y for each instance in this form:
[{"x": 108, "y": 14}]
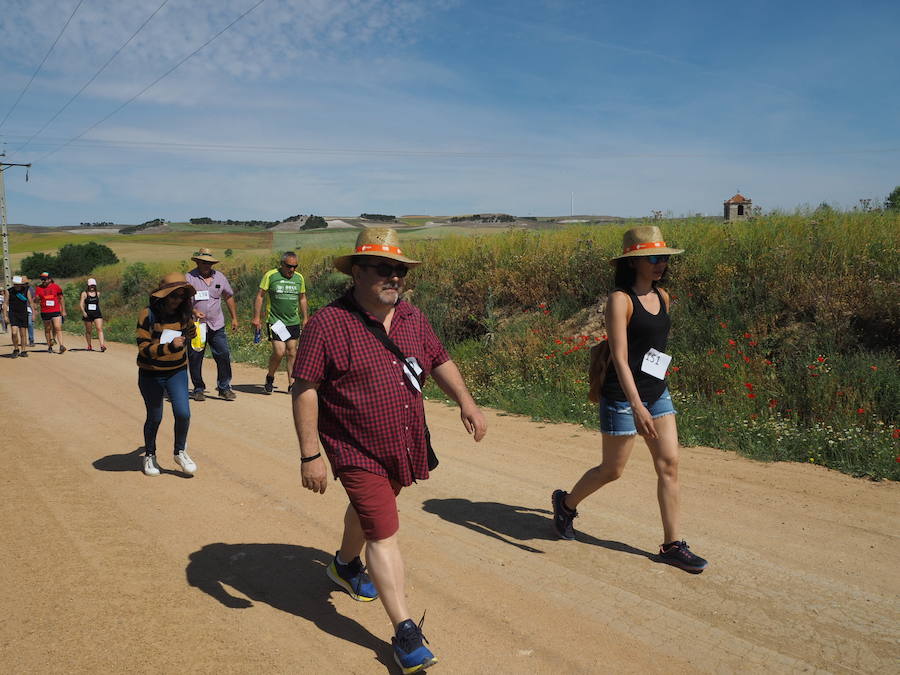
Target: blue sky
[{"x": 339, "y": 107}]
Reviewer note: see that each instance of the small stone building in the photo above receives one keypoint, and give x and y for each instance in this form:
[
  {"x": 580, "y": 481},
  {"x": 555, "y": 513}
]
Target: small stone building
[{"x": 738, "y": 208}]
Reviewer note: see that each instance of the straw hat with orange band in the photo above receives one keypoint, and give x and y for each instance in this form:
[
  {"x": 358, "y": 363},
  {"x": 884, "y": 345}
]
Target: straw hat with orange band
[
  {"x": 379, "y": 242},
  {"x": 643, "y": 241}
]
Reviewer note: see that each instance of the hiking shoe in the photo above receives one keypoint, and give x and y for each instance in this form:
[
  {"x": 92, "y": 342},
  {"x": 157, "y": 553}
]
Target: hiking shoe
[
  {"x": 184, "y": 460},
  {"x": 409, "y": 652},
  {"x": 15, "y": 353},
  {"x": 227, "y": 394},
  {"x": 50, "y": 349},
  {"x": 23, "y": 353},
  {"x": 352, "y": 578},
  {"x": 151, "y": 468},
  {"x": 89, "y": 348},
  {"x": 103, "y": 348},
  {"x": 269, "y": 386},
  {"x": 198, "y": 395},
  {"x": 31, "y": 344},
  {"x": 62, "y": 349},
  {"x": 679, "y": 554},
  {"x": 562, "y": 515}
]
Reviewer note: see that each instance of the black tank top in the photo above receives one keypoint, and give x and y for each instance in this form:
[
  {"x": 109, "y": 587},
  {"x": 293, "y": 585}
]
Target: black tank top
[
  {"x": 95, "y": 301},
  {"x": 644, "y": 331},
  {"x": 18, "y": 300}
]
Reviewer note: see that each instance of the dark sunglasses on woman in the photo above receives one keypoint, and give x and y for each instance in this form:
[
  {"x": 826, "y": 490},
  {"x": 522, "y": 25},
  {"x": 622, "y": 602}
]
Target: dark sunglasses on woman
[{"x": 653, "y": 259}]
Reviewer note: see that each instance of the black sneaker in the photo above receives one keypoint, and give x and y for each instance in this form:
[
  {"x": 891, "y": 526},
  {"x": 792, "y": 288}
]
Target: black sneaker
[
  {"x": 15, "y": 353},
  {"x": 562, "y": 515},
  {"x": 409, "y": 652},
  {"x": 269, "y": 386},
  {"x": 198, "y": 395},
  {"x": 678, "y": 553}
]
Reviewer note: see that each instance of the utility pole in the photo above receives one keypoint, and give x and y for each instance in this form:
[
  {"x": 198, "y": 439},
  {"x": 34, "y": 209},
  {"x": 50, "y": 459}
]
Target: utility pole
[{"x": 7, "y": 272}]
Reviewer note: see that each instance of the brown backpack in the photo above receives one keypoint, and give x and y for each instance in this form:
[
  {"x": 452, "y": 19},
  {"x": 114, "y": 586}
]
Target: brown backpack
[{"x": 601, "y": 360}]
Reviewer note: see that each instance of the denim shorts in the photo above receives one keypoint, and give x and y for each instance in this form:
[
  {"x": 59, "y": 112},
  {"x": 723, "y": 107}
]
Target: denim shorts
[{"x": 616, "y": 418}]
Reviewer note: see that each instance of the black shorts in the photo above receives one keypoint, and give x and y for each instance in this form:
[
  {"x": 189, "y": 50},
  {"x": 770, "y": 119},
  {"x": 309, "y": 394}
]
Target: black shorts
[
  {"x": 47, "y": 316},
  {"x": 293, "y": 330},
  {"x": 91, "y": 316},
  {"x": 18, "y": 320}
]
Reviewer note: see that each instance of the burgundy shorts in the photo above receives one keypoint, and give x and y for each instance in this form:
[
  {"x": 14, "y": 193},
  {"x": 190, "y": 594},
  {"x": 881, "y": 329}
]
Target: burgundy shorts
[{"x": 375, "y": 500}]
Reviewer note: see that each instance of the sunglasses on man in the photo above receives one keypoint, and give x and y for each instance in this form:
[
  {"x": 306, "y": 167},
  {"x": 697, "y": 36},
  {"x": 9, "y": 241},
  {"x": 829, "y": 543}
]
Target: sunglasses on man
[{"x": 387, "y": 271}]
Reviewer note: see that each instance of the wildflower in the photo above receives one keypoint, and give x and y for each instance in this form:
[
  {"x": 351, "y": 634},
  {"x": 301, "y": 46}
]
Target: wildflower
[
  {"x": 839, "y": 393},
  {"x": 820, "y": 359},
  {"x": 860, "y": 411},
  {"x": 773, "y": 402},
  {"x": 749, "y": 385},
  {"x": 676, "y": 368},
  {"x": 732, "y": 342},
  {"x": 725, "y": 365},
  {"x": 769, "y": 363},
  {"x": 543, "y": 305},
  {"x": 746, "y": 359},
  {"x": 753, "y": 416},
  {"x": 710, "y": 351},
  {"x": 874, "y": 367},
  {"x": 811, "y": 366},
  {"x": 584, "y": 337},
  {"x": 753, "y": 343},
  {"x": 720, "y": 391},
  {"x": 751, "y": 395},
  {"x": 896, "y": 433},
  {"x": 546, "y": 311},
  {"x": 723, "y": 324},
  {"x": 559, "y": 342},
  {"x": 747, "y": 335}
]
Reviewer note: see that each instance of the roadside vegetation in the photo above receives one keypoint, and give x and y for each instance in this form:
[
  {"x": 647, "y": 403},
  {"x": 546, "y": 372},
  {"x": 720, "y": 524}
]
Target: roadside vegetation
[{"x": 784, "y": 328}]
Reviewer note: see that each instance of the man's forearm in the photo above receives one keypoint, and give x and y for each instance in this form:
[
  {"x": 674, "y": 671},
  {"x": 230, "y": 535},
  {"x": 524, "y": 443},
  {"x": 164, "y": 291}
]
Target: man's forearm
[
  {"x": 450, "y": 380},
  {"x": 306, "y": 417}
]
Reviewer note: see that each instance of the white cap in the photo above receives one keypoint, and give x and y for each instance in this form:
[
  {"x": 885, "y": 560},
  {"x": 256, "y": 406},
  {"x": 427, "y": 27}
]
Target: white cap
[
  {"x": 92, "y": 282},
  {"x": 17, "y": 280}
]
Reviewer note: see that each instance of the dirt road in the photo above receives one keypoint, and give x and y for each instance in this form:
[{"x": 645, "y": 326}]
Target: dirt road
[{"x": 106, "y": 570}]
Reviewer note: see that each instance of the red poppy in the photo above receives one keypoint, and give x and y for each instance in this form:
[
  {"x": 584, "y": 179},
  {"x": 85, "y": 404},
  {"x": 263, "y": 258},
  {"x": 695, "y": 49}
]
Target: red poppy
[
  {"x": 773, "y": 402},
  {"x": 896, "y": 433},
  {"x": 723, "y": 324},
  {"x": 811, "y": 366},
  {"x": 839, "y": 393},
  {"x": 753, "y": 343},
  {"x": 749, "y": 385},
  {"x": 676, "y": 368},
  {"x": 746, "y": 359},
  {"x": 546, "y": 311},
  {"x": 874, "y": 367},
  {"x": 751, "y": 395},
  {"x": 732, "y": 342},
  {"x": 559, "y": 342},
  {"x": 769, "y": 363},
  {"x": 860, "y": 411},
  {"x": 725, "y": 365},
  {"x": 747, "y": 335},
  {"x": 820, "y": 359},
  {"x": 753, "y": 416},
  {"x": 542, "y": 305},
  {"x": 720, "y": 391}
]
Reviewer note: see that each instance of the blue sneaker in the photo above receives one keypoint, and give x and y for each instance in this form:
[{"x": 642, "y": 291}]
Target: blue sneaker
[
  {"x": 409, "y": 652},
  {"x": 352, "y": 578}
]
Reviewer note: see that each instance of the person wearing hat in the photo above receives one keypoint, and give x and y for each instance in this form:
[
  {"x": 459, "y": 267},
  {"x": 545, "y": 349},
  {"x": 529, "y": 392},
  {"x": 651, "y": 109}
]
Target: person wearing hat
[
  {"x": 164, "y": 331},
  {"x": 211, "y": 288},
  {"x": 53, "y": 310},
  {"x": 634, "y": 398},
  {"x": 284, "y": 292},
  {"x": 89, "y": 302},
  {"x": 363, "y": 401},
  {"x": 15, "y": 311}
]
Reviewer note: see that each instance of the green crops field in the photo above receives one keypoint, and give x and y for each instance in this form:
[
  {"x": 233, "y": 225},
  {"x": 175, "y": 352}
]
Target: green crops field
[{"x": 784, "y": 337}]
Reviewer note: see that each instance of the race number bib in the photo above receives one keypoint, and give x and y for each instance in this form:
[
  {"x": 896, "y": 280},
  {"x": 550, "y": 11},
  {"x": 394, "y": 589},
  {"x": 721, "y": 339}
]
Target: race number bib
[
  {"x": 655, "y": 363},
  {"x": 201, "y": 295},
  {"x": 92, "y": 308},
  {"x": 50, "y": 303}
]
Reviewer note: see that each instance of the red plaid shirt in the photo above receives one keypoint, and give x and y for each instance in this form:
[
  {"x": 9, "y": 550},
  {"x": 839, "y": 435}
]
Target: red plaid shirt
[{"x": 369, "y": 417}]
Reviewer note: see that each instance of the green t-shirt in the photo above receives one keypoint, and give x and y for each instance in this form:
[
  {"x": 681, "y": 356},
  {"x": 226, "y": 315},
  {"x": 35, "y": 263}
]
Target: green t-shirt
[{"x": 283, "y": 297}]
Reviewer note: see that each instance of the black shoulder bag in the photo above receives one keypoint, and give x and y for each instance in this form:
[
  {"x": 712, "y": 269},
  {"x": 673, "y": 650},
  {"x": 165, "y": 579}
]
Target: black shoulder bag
[{"x": 377, "y": 329}]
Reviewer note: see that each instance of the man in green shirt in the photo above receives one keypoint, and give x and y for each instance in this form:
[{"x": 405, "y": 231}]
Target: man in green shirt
[{"x": 284, "y": 291}]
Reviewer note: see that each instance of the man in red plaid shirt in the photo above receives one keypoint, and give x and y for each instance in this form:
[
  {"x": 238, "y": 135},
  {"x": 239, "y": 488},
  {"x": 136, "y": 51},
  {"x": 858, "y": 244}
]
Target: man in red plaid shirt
[{"x": 365, "y": 405}]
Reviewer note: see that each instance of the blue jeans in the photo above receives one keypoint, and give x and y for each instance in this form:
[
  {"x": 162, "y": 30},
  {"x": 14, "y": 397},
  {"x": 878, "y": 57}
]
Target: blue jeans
[
  {"x": 616, "y": 418},
  {"x": 153, "y": 386},
  {"x": 30, "y": 328},
  {"x": 218, "y": 344}
]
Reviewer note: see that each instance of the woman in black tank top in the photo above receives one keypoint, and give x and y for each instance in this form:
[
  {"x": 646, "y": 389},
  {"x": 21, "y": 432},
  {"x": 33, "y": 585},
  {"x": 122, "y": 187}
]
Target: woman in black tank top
[
  {"x": 634, "y": 396},
  {"x": 91, "y": 315}
]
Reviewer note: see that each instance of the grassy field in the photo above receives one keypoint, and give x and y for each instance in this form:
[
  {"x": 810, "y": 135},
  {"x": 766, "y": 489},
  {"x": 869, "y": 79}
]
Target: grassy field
[{"x": 784, "y": 335}]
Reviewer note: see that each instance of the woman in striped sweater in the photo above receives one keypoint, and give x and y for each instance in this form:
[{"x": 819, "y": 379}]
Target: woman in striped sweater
[{"x": 165, "y": 328}]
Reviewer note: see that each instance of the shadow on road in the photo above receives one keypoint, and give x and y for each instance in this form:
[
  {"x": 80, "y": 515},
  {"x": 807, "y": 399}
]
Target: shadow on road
[
  {"x": 249, "y": 388},
  {"x": 287, "y": 577},
  {"x": 131, "y": 461},
  {"x": 506, "y": 522}
]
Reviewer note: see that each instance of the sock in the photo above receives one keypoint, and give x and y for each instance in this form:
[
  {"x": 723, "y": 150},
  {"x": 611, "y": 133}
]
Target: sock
[{"x": 666, "y": 547}]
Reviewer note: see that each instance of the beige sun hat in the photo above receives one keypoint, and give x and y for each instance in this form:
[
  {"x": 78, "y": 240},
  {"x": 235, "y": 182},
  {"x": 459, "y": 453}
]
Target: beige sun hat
[
  {"x": 172, "y": 282},
  {"x": 643, "y": 241},
  {"x": 380, "y": 242},
  {"x": 205, "y": 255}
]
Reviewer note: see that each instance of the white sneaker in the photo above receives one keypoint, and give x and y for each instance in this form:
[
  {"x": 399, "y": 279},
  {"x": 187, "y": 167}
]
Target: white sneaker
[
  {"x": 151, "y": 468},
  {"x": 185, "y": 462}
]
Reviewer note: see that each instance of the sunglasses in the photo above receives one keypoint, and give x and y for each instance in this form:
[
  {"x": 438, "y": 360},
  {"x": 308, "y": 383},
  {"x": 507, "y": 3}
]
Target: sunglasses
[
  {"x": 387, "y": 271},
  {"x": 290, "y": 267},
  {"x": 653, "y": 259}
]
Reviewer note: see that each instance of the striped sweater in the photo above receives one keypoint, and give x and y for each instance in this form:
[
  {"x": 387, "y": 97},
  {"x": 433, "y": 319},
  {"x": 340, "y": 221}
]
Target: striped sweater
[{"x": 157, "y": 358}]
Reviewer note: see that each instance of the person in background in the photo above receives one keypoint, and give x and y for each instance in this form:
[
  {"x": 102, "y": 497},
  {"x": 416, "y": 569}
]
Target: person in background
[
  {"x": 3, "y": 323},
  {"x": 284, "y": 291},
  {"x": 211, "y": 288},
  {"x": 364, "y": 403},
  {"x": 89, "y": 302},
  {"x": 634, "y": 398},
  {"x": 53, "y": 310},
  {"x": 163, "y": 334},
  {"x": 15, "y": 311},
  {"x": 29, "y": 291}
]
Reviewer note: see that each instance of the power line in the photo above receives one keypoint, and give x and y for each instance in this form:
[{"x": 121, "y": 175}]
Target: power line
[
  {"x": 142, "y": 91},
  {"x": 41, "y": 65},
  {"x": 281, "y": 149},
  {"x": 95, "y": 76}
]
